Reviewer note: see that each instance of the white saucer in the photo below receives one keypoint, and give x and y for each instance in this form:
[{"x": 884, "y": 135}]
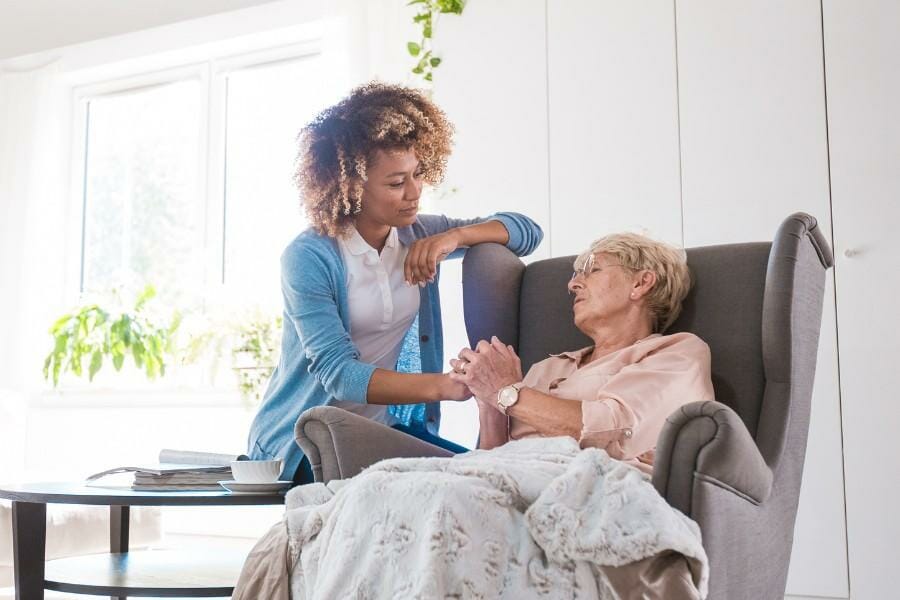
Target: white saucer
[{"x": 238, "y": 487}]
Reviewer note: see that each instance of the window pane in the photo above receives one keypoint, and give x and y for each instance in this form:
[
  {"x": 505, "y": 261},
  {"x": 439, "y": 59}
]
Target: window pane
[
  {"x": 143, "y": 210},
  {"x": 267, "y": 107}
]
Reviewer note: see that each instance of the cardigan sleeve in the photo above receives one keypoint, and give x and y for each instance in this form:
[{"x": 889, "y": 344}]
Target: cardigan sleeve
[
  {"x": 312, "y": 307},
  {"x": 524, "y": 234}
]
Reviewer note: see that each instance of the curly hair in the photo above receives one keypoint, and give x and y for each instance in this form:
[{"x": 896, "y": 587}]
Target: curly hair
[
  {"x": 638, "y": 252},
  {"x": 337, "y": 147}
]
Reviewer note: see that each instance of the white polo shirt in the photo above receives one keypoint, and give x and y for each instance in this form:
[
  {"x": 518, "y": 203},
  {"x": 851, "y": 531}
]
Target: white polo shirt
[{"x": 382, "y": 307}]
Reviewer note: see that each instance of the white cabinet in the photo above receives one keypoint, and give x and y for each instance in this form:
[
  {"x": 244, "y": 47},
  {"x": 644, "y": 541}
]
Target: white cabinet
[
  {"x": 862, "y": 59},
  {"x": 703, "y": 122},
  {"x": 754, "y": 149},
  {"x": 613, "y": 110}
]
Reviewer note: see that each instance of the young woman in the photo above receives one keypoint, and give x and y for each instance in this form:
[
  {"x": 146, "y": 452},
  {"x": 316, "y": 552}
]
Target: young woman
[{"x": 361, "y": 304}]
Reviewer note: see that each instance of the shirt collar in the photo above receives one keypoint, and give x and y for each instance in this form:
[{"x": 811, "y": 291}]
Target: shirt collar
[
  {"x": 358, "y": 246},
  {"x": 575, "y": 355}
]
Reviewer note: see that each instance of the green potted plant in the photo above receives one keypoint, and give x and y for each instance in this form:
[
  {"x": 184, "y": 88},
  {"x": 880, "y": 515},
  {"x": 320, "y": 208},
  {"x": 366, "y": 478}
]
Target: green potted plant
[
  {"x": 90, "y": 335},
  {"x": 255, "y": 346}
]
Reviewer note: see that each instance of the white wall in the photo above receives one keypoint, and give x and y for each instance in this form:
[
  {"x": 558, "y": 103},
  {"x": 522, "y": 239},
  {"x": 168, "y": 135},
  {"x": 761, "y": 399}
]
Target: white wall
[{"x": 613, "y": 113}]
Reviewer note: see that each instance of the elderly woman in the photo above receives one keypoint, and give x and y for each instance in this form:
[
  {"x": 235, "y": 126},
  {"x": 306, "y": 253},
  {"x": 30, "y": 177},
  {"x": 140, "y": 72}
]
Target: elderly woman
[{"x": 615, "y": 395}]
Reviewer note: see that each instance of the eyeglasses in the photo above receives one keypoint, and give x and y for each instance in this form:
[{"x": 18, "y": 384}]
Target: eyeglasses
[{"x": 589, "y": 267}]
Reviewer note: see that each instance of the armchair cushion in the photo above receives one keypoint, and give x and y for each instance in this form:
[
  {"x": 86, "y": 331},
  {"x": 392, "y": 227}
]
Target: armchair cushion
[
  {"x": 340, "y": 444},
  {"x": 709, "y": 441}
]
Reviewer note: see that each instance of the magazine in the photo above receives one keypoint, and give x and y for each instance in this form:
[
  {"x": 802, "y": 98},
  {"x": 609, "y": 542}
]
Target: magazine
[{"x": 178, "y": 470}]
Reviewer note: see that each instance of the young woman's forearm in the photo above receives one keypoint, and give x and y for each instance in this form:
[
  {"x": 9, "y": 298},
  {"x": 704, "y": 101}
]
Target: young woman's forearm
[
  {"x": 489, "y": 231},
  {"x": 390, "y": 387}
]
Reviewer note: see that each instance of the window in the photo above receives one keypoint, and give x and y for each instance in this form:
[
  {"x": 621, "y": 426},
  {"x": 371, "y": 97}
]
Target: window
[
  {"x": 142, "y": 219},
  {"x": 188, "y": 178},
  {"x": 266, "y": 107}
]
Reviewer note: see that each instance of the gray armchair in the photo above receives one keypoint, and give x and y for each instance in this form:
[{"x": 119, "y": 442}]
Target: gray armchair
[{"x": 733, "y": 465}]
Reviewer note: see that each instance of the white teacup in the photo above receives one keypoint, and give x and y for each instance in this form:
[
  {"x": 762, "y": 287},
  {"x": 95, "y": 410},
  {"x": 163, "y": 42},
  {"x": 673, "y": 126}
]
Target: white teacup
[{"x": 256, "y": 471}]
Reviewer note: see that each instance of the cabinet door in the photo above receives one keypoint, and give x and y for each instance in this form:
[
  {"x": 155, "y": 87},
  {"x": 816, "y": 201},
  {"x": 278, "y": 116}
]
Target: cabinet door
[
  {"x": 613, "y": 121},
  {"x": 862, "y": 60},
  {"x": 754, "y": 150}
]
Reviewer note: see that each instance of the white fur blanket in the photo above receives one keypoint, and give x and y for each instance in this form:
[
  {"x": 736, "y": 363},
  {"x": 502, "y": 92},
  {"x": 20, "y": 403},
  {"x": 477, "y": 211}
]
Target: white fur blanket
[{"x": 534, "y": 518}]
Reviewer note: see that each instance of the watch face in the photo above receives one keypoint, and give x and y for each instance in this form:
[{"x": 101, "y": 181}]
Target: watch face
[{"x": 508, "y": 396}]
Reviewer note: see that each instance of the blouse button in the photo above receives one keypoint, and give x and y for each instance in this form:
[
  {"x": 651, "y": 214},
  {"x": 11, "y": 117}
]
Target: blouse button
[
  {"x": 424, "y": 338},
  {"x": 628, "y": 433}
]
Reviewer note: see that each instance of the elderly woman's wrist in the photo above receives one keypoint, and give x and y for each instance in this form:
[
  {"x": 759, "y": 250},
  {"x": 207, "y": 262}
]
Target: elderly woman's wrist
[{"x": 488, "y": 408}]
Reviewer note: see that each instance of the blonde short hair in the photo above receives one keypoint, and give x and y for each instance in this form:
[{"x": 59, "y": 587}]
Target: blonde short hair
[{"x": 638, "y": 253}]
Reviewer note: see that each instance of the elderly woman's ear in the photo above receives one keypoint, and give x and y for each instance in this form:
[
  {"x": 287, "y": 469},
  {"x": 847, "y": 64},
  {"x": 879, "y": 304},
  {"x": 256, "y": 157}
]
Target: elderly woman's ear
[{"x": 642, "y": 283}]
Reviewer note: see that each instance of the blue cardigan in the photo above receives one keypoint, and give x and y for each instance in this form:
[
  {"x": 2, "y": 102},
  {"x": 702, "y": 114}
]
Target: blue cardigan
[{"x": 319, "y": 361}]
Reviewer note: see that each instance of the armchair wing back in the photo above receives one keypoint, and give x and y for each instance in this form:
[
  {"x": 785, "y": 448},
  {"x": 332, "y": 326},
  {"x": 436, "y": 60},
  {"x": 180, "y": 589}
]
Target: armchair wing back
[{"x": 733, "y": 465}]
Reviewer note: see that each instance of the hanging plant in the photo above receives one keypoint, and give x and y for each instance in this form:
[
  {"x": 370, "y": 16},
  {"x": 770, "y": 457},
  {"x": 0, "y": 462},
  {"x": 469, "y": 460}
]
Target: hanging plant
[{"x": 421, "y": 50}]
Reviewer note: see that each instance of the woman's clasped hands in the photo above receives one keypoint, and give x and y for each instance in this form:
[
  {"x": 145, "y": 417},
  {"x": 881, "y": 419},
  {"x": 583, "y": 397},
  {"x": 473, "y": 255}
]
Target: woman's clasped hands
[{"x": 485, "y": 370}]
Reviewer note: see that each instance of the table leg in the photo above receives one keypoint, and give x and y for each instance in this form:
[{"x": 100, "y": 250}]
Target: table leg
[
  {"x": 119, "y": 523},
  {"x": 29, "y": 522},
  {"x": 119, "y": 527}
]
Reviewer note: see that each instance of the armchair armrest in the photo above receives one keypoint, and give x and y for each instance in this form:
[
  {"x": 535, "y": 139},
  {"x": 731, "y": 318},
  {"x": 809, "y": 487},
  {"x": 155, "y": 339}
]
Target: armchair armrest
[
  {"x": 339, "y": 444},
  {"x": 708, "y": 441}
]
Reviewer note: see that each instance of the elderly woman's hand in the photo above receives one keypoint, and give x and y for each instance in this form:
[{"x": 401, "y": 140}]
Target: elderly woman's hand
[{"x": 487, "y": 369}]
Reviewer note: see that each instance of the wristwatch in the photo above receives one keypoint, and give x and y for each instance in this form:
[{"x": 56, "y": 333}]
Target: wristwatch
[{"x": 507, "y": 396}]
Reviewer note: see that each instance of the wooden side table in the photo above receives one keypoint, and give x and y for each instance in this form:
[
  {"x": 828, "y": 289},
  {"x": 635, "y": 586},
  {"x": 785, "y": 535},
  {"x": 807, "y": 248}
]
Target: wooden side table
[{"x": 120, "y": 573}]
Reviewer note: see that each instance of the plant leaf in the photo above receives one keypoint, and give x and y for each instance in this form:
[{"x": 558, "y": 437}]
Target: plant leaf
[
  {"x": 413, "y": 48},
  {"x": 96, "y": 363},
  {"x": 75, "y": 364},
  {"x": 60, "y": 323},
  {"x": 435, "y": 61},
  {"x": 61, "y": 342},
  {"x": 148, "y": 292},
  {"x": 176, "y": 322}
]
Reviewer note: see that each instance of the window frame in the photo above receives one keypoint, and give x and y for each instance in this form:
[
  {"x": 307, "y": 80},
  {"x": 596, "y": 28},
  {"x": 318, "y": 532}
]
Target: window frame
[{"x": 212, "y": 73}]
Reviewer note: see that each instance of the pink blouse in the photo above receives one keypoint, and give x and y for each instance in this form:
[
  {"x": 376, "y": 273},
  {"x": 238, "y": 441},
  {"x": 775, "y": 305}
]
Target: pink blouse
[{"x": 626, "y": 395}]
